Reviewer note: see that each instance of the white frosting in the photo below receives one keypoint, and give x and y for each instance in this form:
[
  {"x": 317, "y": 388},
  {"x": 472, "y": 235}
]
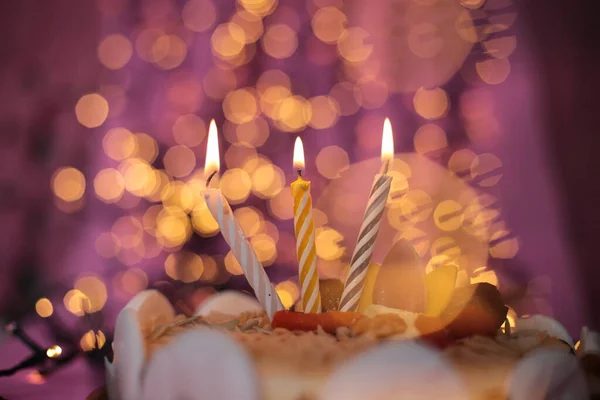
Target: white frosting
[
  {"x": 548, "y": 374},
  {"x": 544, "y": 324},
  {"x": 229, "y": 302},
  {"x": 397, "y": 370},
  {"x": 201, "y": 364}
]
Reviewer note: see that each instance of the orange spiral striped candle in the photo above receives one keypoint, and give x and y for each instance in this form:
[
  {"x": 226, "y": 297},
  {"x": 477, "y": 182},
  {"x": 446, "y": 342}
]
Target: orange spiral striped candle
[{"x": 305, "y": 236}]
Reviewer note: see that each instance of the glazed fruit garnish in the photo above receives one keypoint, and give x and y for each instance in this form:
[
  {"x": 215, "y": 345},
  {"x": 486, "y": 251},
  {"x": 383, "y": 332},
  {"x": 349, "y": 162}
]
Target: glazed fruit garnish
[
  {"x": 440, "y": 284},
  {"x": 475, "y": 310},
  {"x": 400, "y": 281},
  {"x": 329, "y": 321}
]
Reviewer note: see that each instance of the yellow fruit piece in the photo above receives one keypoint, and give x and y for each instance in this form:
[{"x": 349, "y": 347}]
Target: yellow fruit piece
[
  {"x": 366, "y": 297},
  {"x": 440, "y": 284}
]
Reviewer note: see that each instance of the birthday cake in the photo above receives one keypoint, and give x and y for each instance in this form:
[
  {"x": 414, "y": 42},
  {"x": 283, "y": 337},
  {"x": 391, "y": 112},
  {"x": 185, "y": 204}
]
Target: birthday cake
[
  {"x": 231, "y": 349},
  {"x": 388, "y": 332}
]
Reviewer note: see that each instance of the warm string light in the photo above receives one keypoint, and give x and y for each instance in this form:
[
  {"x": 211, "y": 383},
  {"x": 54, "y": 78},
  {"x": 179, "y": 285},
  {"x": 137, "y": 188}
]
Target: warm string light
[{"x": 39, "y": 356}]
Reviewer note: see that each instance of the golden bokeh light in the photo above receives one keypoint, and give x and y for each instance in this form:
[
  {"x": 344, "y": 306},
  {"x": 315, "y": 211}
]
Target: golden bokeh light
[
  {"x": 502, "y": 245},
  {"x": 109, "y": 185},
  {"x": 169, "y": 51},
  {"x": 271, "y": 99},
  {"x": 129, "y": 230},
  {"x": 147, "y": 147},
  {"x": 140, "y": 178},
  {"x": 351, "y": 45},
  {"x": 431, "y": 104},
  {"x": 68, "y": 184},
  {"x": 285, "y": 297},
  {"x": 279, "y": 41},
  {"x": 332, "y": 161},
  {"x": 179, "y": 161},
  {"x": 94, "y": 289},
  {"x": 329, "y": 24},
  {"x": 291, "y": 288},
  {"x": 107, "y": 244},
  {"x": 373, "y": 93},
  {"x": 228, "y": 41},
  {"x": 472, "y": 4},
  {"x": 134, "y": 280},
  {"x": 325, "y": 112},
  {"x": 184, "y": 266},
  {"x": 430, "y": 138},
  {"x": 236, "y": 185},
  {"x": 35, "y": 378},
  {"x": 240, "y": 106},
  {"x": 76, "y": 302},
  {"x": 273, "y": 77},
  {"x": 267, "y": 181},
  {"x": 250, "y": 23},
  {"x": 173, "y": 227},
  {"x": 199, "y": 15},
  {"x": 417, "y": 237},
  {"x": 347, "y": 96},
  {"x": 92, "y": 340},
  {"x": 179, "y": 194},
  {"x": 91, "y": 110},
  {"x": 447, "y": 246},
  {"x": 250, "y": 219},
  {"x": 240, "y": 154},
  {"x": 415, "y": 206},
  {"x": 482, "y": 274},
  {"x": 448, "y": 215},
  {"x": 203, "y": 221},
  {"x": 232, "y": 265},
  {"x": 493, "y": 70},
  {"x": 189, "y": 130},
  {"x": 145, "y": 42},
  {"x": 265, "y": 248},
  {"x": 327, "y": 243},
  {"x": 500, "y": 47},
  {"x": 293, "y": 114},
  {"x": 281, "y": 206},
  {"x": 54, "y": 351},
  {"x": 259, "y": 8},
  {"x": 270, "y": 229},
  {"x": 438, "y": 261},
  {"x": 254, "y": 133},
  {"x": 460, "y": 162},
  {"x": 119, "y": 144},
  {"x": 219, "y": 82},
  {"x": 44, "y": 308},
  {"x": 486, "y": 169},
  {"x": 424, "y": 40},
  {"x": 211, "y": 270},
  {"x": 115, "y": 51}
]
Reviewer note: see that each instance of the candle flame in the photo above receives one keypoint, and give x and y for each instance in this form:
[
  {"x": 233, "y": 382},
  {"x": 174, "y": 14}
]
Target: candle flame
[
  {"x": 212, "y": 163},
  {"x": 387, "y": 142},
  {"x": 298, "y": 154}
]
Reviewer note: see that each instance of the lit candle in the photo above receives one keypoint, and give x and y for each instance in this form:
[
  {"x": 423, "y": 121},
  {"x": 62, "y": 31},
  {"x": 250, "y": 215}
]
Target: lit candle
[
  {"x": 233, "y": 234},
  {"x": 367, "y": 235},
  {"x": 305, "y": 236}
]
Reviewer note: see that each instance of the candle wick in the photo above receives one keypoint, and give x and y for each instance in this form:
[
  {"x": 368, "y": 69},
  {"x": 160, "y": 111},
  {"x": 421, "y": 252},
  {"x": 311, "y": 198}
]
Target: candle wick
[
  {"x": 210, "y": 178},
  {"x": 299, "y": 172},
  {"x": 386, "y": 167}
]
